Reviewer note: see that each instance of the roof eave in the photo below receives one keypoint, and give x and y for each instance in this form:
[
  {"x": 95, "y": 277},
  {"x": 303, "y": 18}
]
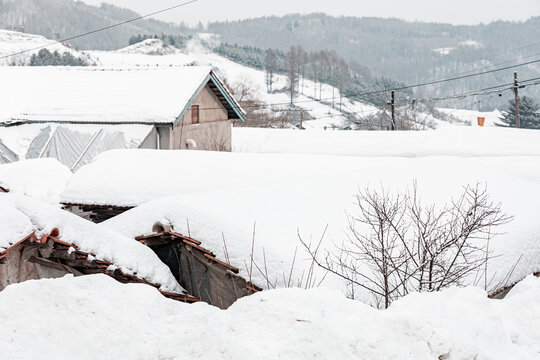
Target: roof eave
[{"x": 241, "y": 113}]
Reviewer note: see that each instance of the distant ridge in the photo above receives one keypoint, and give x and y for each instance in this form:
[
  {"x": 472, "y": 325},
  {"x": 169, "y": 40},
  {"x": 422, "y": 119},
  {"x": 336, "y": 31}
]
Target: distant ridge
[{"x": 56, "y": 19}]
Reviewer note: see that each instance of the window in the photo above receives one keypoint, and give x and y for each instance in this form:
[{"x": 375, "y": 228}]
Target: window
[{"x": 195, "y": 114}]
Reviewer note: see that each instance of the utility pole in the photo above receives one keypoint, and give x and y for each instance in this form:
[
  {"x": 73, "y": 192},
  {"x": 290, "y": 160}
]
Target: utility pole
[
  {"x": 516, "y": 93},
  {"x": 301, "y": 118},
  {"x": 393, "y": 105}
]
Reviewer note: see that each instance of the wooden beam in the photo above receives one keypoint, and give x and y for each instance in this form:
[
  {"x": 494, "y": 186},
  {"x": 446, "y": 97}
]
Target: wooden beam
[{"x": 54, "y": 265}]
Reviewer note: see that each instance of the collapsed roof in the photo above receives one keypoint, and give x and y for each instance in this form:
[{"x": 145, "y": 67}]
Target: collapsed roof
[{"x": 22, "y": 217}]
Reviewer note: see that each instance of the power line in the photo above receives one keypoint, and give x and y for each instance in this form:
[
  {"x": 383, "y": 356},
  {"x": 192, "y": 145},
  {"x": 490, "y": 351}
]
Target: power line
[
  {"x": 479, "y": 92},
  {"x": 101, "y": 29},
  {"x": 498, "y": 64},
  {"x": 406, "y": 87},
  {"x": 510, "y": 51}
]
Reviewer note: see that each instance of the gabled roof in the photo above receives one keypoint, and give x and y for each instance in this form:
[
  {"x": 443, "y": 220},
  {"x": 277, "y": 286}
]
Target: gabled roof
[{"x": 106, "y": 96}]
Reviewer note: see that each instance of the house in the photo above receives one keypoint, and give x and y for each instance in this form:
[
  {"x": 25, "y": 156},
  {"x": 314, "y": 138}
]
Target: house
[
  {"x": 41, "y": 241},
  {"x": 75, "y": 113}
]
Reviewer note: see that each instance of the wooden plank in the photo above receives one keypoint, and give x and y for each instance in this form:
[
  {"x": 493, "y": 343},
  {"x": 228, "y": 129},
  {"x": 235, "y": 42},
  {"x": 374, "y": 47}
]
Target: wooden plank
[{"x": 54, "y": 265}]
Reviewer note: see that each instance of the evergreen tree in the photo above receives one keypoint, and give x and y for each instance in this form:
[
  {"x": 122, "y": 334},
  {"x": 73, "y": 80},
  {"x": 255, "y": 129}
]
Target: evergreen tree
[
  {"x": 528, "y": 114},
  {"x": 47, "y": 58}
]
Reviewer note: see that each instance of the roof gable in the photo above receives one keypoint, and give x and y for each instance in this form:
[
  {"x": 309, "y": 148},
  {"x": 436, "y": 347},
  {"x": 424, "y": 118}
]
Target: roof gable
[{"x": 234, "y": 110}]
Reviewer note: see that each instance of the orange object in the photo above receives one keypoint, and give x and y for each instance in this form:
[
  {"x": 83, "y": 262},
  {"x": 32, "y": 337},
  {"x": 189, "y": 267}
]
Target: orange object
[{"x": 481, "y": 121}]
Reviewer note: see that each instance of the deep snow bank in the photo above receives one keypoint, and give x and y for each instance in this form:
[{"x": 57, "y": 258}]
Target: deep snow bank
[
  {"x": 448, "y": 141},
  {"x": 96, "y": 317},
  {"x": 43, "y": 179}
]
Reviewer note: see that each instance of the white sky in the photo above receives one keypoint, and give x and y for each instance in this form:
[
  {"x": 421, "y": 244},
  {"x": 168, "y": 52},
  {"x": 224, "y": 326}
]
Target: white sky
[{"x": 450, "y": 11}]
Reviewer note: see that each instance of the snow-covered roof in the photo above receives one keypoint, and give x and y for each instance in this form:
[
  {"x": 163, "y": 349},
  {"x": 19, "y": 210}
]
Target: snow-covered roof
[
  {"x": 100, "y": 95},
  {"x": 21, "y": 216},
  {"x": 130, "y": 177},
  {"x": 43, "y": 179}
]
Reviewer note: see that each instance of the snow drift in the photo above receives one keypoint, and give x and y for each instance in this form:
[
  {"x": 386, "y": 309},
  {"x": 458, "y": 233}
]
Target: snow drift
[
  {"x": 289, "y": 323},
  {"x": 43, "y": 179}
]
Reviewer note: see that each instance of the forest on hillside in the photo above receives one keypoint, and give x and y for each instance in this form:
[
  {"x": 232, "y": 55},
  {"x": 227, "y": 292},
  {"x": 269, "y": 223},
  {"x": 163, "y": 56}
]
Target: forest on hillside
[{"x": 408, "y": 52}]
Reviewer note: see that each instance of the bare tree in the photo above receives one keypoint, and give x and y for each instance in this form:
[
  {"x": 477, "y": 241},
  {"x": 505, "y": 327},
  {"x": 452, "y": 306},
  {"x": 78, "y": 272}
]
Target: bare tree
[
  {"x": 214, "y": 139},
  {"x": 292, "y": 59},
  {"x": 270, "y": 66},
  {"x": 397, "y": 245},
  {"x": 315, "y": 73},
  {"x": 344, "y": 78},
  {"x": 302, "y": 64}
]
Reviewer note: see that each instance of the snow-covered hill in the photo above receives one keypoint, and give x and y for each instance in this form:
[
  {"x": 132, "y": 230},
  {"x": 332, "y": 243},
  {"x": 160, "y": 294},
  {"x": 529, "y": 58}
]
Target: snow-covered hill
[
  {"x": 149, "y": 47},
  {"x": 12, "y": 42}
]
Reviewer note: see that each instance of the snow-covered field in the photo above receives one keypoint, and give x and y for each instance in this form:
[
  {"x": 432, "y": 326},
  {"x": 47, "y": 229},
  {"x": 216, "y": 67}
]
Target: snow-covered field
[
  {"x": 448, "y": 141},
  {"x": 95, "y": 317}
]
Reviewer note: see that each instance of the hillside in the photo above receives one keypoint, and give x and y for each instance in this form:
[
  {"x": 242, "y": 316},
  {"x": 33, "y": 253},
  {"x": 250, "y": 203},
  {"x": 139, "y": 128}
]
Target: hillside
[
  {"x": 14, "y": 42},
  {"x": 58, "y": 19},
  {"x": 411, "y": 52}
]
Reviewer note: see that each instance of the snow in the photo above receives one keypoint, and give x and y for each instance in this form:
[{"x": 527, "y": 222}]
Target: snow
[
  {"x": 444, "y": 51},
  {"x": 14, "y": 42},
  {"x": 492, "y": 117},
  {"x": 91, "y": 94},
  {"x": 43, "y": 179},
  {"x": 448, "y": 141},
  {"x": 20, "y": 216},
  {"x": 224, "y": 194},
  {"x": 149, "y": 47},
  {"x": 288, "y": 323},
  {"x": 472, "y": 43}
]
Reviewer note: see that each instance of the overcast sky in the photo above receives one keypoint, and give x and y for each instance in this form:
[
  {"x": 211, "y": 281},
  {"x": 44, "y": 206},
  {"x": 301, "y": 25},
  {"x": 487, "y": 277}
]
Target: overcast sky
[{"x": 450, "y": 11}]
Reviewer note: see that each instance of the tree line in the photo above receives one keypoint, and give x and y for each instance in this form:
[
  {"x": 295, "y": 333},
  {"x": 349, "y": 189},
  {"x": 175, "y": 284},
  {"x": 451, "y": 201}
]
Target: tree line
[
  {"x": 46, "y": 58},
  {"x": 347, "y": 78}
]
